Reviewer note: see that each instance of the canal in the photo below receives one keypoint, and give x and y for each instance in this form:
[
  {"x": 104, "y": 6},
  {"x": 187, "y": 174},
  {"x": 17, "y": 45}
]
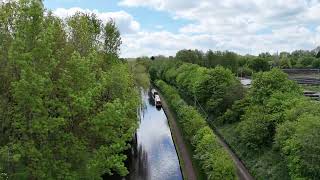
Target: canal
[{"x": 153, "y": 155}]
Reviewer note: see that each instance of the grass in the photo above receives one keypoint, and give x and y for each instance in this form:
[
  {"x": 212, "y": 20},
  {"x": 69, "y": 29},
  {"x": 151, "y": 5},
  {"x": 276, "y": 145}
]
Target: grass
[{"x": 265, "y": 164}]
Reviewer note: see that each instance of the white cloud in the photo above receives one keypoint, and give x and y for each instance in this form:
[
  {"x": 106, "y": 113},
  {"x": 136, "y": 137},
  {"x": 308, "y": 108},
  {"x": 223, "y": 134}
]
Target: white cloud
[
  {"x": 167, "y": 43},
  {"x": 247, "y": 26},
  {"x": 124, "y": 21}
]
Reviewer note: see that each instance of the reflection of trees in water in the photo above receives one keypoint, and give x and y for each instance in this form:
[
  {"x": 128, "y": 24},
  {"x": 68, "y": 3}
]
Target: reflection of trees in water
[
  {"x": 150, "y": 98},
  {"x": 142, "y": 112},
  {"x": 137, "y": 162},
  {"x": 139, "y": 165},
  {"x": 143, "y": 107}
]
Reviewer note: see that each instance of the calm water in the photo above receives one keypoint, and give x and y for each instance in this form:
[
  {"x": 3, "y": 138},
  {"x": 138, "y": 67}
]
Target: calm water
[{"x": 153, "y": 156}]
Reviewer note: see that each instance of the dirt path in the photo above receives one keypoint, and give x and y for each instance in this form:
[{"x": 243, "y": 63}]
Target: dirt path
[
  {"x": 242, "y": 172},
  {"x": 183, "y": 154}
]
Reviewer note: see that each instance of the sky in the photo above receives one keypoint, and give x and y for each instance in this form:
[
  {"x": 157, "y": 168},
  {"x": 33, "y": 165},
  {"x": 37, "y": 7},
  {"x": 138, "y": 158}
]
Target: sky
[{"x": 153, "y": 27}]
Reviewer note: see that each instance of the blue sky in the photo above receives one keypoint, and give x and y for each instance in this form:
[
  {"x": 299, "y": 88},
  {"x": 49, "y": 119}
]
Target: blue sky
[
  {"x": 148, "y": 18},
  {"x": 151, "y": 27}
]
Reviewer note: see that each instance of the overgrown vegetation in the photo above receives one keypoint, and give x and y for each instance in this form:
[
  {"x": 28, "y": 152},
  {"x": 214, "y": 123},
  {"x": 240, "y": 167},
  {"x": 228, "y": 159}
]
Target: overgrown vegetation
[
  {"x": 214, "y": 89},
  {"x": 245, "y": 65},
  {"x": 272, "y": 127},
  {"x": 140, "y": 69},
  {"x": 67, "y": 103},
  {"x": 274, "y": 105},
  {"x": 214, "y": 160}
]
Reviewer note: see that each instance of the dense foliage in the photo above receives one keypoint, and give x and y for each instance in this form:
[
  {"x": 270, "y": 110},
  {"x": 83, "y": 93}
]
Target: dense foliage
[
  {"x": 213, "y": 158},
  {"x": 214, "y": 89},
  {"x": 275, "y": 115},
  {"x": 273, "y": 127},
  {"x": 247, "y": 64},
  {"x": 67, "y": 104},
  {"x": 140, "y": 69}
]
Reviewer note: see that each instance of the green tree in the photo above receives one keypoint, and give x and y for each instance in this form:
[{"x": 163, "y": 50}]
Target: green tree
[
  {"x": 259, "y": 64},
  {"x": 300, "y": 143},
  {"x": 85, "y": 32},
  {"x": 316, "y": 63},
  {"x": 57, "y": 97},
  {"x": 112, "y": 39},
  {"x": 190, "y": 56},
  {"x": 267, "y": 83},
  {"x": 285, "y": 63},
  {"x": 305, "y": 61}
]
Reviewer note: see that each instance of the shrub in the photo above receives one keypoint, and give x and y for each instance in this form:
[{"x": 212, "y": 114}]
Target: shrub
[
  {"x": 300, "y": 143},
  {"x": 214, "y": 160}
]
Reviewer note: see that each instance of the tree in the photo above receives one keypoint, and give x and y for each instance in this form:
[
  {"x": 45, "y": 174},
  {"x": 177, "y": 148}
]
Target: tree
[
  {"x": 305, "y": 61},
  {"x": 255, "y": 129},
  {"x": 316, "y": 63},
  {"x": 285, "y": 63},
  {"x": 267, "y": 83},
  {"x": 187, "y": 56},
  {"x": 63, "y": 115},
  {"x": 112, "y": 39},
  {"x": 270, "y": 96},
  {"x": 85, "y": 32},
  {"x": 300, "y": 143},
  {"x": 214, "y": 90},
  {"x": 259, "y": 64},
  {"x": 318, "y": 54}
]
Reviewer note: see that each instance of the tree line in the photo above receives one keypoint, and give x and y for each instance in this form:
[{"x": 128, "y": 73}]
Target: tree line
[
  {"x": 246, "y": 65},
  {"x": 67, "y": 102},
  {"x": 272, "y": 118}
]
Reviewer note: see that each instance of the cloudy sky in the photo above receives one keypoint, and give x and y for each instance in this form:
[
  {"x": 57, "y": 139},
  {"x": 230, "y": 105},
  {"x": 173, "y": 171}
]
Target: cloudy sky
[{"x": 152, "y": 27}]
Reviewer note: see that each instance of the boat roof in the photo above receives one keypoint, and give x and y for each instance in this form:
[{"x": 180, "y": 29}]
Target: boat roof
[{"x": 157, "y": 98}]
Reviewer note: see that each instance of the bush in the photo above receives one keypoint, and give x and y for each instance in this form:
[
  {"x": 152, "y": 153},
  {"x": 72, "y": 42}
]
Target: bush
[
  {"x": 300, "y": 144},
  {"x": 235, "y": 112},
  {"x": 254, "y": 130},
  {"x": 191, "y": 120},
  {"x": 214, "y": 160}
]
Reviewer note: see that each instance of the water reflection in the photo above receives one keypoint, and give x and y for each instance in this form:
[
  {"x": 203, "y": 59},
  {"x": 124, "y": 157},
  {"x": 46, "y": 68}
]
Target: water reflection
[
  {"x": 153, "y": 155},
  {"x": 154, "y": 139}
]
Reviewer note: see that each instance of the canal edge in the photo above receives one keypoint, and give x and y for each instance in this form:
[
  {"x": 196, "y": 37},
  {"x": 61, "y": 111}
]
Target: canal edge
[{"x": 185, "y": 158}]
